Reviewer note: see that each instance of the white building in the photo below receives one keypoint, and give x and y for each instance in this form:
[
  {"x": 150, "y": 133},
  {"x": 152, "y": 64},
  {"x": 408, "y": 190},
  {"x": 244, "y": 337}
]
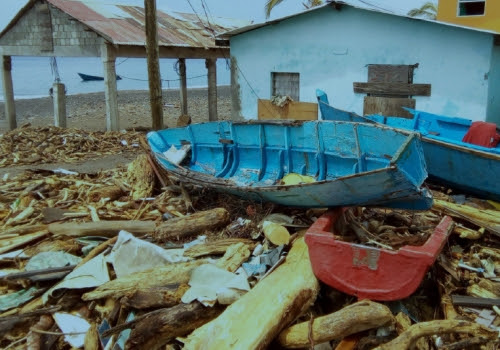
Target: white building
[{"x": 331, "y": 47}]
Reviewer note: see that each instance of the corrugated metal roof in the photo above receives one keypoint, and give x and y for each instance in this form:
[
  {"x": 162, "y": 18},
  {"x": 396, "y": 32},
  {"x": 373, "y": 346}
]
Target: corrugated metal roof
[
  {"x": 352, "y": 3},
  {"x": 125, "y": 25}
]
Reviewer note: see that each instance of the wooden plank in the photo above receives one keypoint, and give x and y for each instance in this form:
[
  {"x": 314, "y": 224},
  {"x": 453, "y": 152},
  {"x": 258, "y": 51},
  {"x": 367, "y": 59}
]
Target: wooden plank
[
  {"x": 388, "y": 106},
  {"x": 398, "y": 89},
  {"x": 464, "y": 300},
  {"x": 293, "y": 110},
  {"x": 390, "y": 73}
]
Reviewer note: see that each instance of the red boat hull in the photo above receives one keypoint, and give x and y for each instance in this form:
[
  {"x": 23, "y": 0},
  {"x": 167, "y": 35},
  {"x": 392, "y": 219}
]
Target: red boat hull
[{"x": 368, "y": 272}]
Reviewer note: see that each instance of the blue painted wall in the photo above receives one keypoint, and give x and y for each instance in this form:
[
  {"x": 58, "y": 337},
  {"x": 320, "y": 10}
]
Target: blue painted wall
[
  {"x": 330, "y": 50},
  {"x": 493, "y": 113}
]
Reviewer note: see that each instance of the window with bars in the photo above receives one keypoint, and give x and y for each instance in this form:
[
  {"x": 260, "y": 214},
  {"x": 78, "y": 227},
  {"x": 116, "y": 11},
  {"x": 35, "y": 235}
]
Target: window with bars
[
  {"x": 285, "y": 84},
  {"x": 471, "y": 7}
]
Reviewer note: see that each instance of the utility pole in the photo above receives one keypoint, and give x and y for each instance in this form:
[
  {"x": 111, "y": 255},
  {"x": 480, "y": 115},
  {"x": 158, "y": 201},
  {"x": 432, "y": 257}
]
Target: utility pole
[{"x": 153, "y": 53}]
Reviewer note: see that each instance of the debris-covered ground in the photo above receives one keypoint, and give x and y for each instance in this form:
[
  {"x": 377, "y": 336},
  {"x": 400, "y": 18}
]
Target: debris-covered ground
[{"x": 129, "y": 258}]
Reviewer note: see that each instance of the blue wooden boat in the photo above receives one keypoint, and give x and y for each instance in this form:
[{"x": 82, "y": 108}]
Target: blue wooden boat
[
  {"x": 465, "y": 166},
  {"x": 352, "y": 164},
  {"x": 86, "y": 77}
]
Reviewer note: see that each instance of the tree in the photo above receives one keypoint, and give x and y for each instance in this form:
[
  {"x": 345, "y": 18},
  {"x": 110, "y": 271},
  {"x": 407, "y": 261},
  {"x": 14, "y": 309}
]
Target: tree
[
  {"x": 427, "y": 10},
  {"x": 273, "y": 3}
]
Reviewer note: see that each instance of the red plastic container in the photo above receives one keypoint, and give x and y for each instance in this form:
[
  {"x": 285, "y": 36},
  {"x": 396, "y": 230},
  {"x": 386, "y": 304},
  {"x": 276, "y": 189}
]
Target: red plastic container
[{"x": 368, "y": 272}]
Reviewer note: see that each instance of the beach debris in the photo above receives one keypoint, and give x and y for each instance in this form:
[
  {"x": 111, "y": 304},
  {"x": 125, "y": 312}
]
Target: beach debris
[
  {"x": 275, "y": 233},
  {"x": 351, "y": 319},
  {"x": 295, "y": 179},
  {"x": 37, "y": 145},
  {"x": 176, "y": 156},
  {"x": 94, "y": 247},
  {"x": 293, "y": 283},
  {"x": 209, "y": 282},
  {"x": 74, "y": 328}
]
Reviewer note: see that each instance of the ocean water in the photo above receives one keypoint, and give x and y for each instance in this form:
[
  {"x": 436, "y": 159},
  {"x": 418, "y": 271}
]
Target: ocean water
[{"x": 32, "y": 76}]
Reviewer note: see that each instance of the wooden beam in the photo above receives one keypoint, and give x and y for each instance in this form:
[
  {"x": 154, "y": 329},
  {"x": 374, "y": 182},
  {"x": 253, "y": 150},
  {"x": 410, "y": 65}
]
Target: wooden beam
[
  {"x": 464, "y": 300},
  {"x": 212, "y": 89},
  {"x": 108, "y": 59},
  {"x": 399, "y": 89},
  {"x": 174, "y": 52},
  {"x": 388, "y": 106},
  {"x": 183, "y": 86},
  {"x": 153, "y": 55},
  {"x": 8, "y": 93},
  {"x": 59, "y": 95}
]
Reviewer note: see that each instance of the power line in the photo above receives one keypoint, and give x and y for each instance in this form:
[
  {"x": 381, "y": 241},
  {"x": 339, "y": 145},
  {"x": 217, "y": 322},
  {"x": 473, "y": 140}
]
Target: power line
[{"x": 222, "y": 52}]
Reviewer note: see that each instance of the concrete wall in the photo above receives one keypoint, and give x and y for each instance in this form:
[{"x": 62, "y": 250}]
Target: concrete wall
[
  {"x": 330, "y": 49},
  {"x": 493, "y": 113},
  {"x": 46, "y": 31}
]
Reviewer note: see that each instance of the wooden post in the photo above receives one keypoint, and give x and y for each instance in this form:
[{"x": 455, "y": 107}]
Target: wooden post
[
  {"x": 8, "y": 93},
  {"x": 108, "y": 56},
  {"x": 153, "y": 53},
  {"x": 235, "y": 91},
  {"x": 212, "y": 89},
  {"x": 183, "y": 86},
  {"x": 59, "y": 93}
]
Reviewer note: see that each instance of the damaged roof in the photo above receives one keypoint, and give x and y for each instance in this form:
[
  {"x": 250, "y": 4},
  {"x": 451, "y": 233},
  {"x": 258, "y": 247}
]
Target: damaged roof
[
  {"x": 358, "y": 4},
  {"x": 125, "y": 24}
]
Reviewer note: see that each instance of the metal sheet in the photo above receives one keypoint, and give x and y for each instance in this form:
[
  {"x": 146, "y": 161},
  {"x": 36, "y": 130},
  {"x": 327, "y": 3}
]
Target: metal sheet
[{"x": 125, "y": 25}]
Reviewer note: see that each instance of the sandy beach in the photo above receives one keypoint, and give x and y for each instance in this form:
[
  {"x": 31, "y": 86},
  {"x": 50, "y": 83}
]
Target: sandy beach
[{"x": 88, "y": 111}]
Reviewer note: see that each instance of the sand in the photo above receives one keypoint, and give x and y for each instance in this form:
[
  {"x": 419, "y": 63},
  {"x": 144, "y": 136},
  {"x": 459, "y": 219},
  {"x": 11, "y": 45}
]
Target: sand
[{"x": 88, "y": 111}]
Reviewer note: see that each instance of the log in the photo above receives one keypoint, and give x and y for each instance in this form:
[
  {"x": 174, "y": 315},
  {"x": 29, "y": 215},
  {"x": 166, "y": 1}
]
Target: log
[
  {"x": 141, "y": 174},
  {"x": 9, "y": 244},
  {"x": 422, "y": 329},
  {"x": 255, "y": 319},
  {"x": 112, "y": 192},
  {"x": 161, "y": 326},
  {"x": 486, "y": 218},
  {"x": 159, "y": 276},
  {"x": 192, "y": 224},
  {"x": 403, "y": 322},
  {"x": 163, "y": 296},
  {"x": 234, "y": 257},
  {"x": 101, "y": 228},
  {"x": 480, "y": 292},
  {"x": 216, "y": 248},
  {"x": 352, "y": 319}
]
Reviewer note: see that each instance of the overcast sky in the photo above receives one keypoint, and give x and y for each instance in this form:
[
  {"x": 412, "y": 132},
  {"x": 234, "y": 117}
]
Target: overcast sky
[{"x": 241, "y": 9}]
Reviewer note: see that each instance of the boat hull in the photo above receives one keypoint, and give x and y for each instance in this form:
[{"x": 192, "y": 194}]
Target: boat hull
[
  {"x": 369, "y": 272},
  {"x": 86, "y": 77},
  {"x": 464, "y": 166},
  {"x": 352, "y": 164}
]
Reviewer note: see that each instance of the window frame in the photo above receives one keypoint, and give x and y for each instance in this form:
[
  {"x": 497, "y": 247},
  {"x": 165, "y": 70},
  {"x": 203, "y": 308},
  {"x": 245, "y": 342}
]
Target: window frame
[
  {"x": 273, "y": 83},
  {"x": 459, "y": 2}
]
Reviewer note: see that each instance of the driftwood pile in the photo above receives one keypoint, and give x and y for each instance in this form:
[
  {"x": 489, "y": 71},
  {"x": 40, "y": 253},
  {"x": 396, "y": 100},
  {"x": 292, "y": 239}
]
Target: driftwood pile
[
  {"x": 131, "y": 259},
  {"x": 30, "y": 145}
]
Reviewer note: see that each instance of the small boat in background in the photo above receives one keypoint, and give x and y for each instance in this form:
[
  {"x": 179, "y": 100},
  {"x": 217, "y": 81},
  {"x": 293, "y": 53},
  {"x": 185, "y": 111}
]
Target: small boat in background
[
  {"x": 86, "y": 77},
  {"x": 463, "y": 165},
  {"x": 336, "y": 163}
]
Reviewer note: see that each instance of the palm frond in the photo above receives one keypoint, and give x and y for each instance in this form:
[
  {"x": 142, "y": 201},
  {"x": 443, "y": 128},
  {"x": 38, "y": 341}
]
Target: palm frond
[
  {"x": 270, "y": 4},
  {"x": 312, "y": 3},
  {"x": 428, "y": 10}
]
